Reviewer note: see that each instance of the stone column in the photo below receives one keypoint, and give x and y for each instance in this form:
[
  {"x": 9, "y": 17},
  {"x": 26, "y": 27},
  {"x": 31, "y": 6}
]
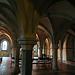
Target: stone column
[
  {"x": 55, "y": 47},
  {"x": 13, "y": 52},
  {"x": 33, "y": 53},
  {"x": 60, "y": 47},
  {"x": 74, "y": 49},
  {"x": 27, "y": 47},
  {"x": 61, "y": 55},
  {"x": 16, "y": 68},
  {"x": 40, "y": 52},
  {"x": 45, "y": 51}
]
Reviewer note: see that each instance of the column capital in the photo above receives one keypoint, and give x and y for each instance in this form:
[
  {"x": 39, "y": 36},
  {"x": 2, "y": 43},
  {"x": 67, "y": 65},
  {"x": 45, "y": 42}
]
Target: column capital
[
  {"x": 27, "y": 43},
  {"x": 16, "y": 46}
]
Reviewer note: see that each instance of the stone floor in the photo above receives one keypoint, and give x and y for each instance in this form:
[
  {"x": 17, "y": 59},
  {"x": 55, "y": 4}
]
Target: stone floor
[
  {"x": 41, "y": 69},
  {"x": 5, "y": 66}
]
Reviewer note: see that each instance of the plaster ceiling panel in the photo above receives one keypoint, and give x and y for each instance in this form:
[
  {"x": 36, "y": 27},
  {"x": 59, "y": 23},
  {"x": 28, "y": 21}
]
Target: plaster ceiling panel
[
  {"x": 62, "y": 8},
  {"x": 10, "y": 16},
  {"x": 2, "y": 23},
  {"x": 39, "y": 32},
  {"x": 5, "y": 31},
  {"x": 44, "y": 31},
  {"x": 4, "y": 1},
  {"x": 73, "y": 27},
  {"x": 46, "y": 23},
  {"x": 71, "y": 32},
  {"x": 42, "y": 35},
  {"x": 2, "y": 17},
  {"x": 57, "y": 22}
]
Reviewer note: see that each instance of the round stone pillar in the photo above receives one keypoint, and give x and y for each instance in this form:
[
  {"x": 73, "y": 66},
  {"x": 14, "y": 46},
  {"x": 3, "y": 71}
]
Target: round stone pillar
[
  {"x": 27, "y": 47},
  {"x": 16, "y": 68},
  {"x": 40, "y": 52},
  {"x": 61, "y": 48},
  {"x": 13, "y": 52},
  {"x": 55, "y": 47},
  {"x": 33, "y": 54}
]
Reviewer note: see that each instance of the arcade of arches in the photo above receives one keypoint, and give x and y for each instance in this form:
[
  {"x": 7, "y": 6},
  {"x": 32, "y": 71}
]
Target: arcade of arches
[{"x": 32, "y": 28}]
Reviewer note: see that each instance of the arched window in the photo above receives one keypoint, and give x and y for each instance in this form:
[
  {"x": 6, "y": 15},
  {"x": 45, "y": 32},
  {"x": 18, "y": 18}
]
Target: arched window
[{"x": 4, "y": 44}]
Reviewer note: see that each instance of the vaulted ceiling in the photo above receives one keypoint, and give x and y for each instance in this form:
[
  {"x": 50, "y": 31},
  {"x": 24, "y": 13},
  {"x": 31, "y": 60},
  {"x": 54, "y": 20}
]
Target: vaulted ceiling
[{"x": 57, "y": 17}]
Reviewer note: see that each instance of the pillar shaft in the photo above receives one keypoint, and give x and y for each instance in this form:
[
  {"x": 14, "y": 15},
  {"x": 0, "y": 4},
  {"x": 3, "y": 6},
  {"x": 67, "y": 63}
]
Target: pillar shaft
[
  {"x": 26, "y": 62},
  {"x": 40, "y": 52},
  {"x": 33, "y": 54},
  {"x": 55, "y": 66},
  {"x": 16, "y": 69},
  {"x": 60, "y": 55},
  {"x": 17, "y": 58},
  {"x": 13, "y": 53},
  {"x": 60, "y": 47},
  {"x": 74, "y": 49}
]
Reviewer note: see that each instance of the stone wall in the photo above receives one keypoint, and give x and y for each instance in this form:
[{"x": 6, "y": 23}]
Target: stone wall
[{"x": 4, "y": 54}]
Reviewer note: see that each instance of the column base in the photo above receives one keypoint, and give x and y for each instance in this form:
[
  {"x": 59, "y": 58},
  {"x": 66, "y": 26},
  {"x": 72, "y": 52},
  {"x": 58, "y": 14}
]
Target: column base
[
  {"x": 55, "y": 68},
  {"x": 15, "y": 71}
]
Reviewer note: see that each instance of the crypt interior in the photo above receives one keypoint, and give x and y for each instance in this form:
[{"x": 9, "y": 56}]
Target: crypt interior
[{"x": 37, "y": 37}]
